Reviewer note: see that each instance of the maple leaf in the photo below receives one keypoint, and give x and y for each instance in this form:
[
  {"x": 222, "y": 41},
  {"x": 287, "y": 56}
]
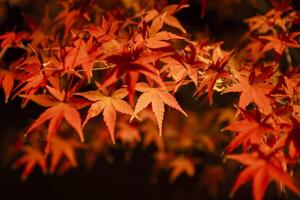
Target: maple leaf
[
  {"x": 26, "y": 67},
  {"x": 156, "y": 38},
  {"x": 12, "y": 38},
  {"x": 280, "y": 42},
  {"x": 264, "y": 23},
  {"x": 252, "y": 90},
  {"x": 61, "y": 105},
  {"x": 35, "y": 72},
  {"x": 168, "y": 11},
  {"x": 31, "y": 158},
  {"x": 172, "y": 20},
  {"x": 130, "y": 47},
  {"x": 106, "y": 31},
  {"x": 183, "y": 64},
  {"x": 31, "y": 86},
  {"x": 108, "y": 104},
  {"x": 128, "y": 133},
  {"x": 59, "y": 148},
  {"x": 179, "y": 71},
  {"x": 157, "y": 97},
  {"x": 214, "y": 71},
  {"x": 81, "y": 54},
  {"x": 131, "y": 64},
  {"x": 180, "y": 166},
  {"x": 175, "y": 69},
  {"x": 68, "y": 18},
  {"x": 262, "y": 169},
  {"x": 7, "y": 82},
  {"x": 250, "y": 130},
  {"x": 253, "y": 50}
]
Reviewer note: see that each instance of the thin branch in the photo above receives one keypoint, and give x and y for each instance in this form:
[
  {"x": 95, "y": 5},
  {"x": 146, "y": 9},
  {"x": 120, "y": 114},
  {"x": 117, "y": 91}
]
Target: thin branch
[
  {"x": 97, "y": 68},
  {"x": 288, "y": 58},
  {"x": 3, "y": 51}
]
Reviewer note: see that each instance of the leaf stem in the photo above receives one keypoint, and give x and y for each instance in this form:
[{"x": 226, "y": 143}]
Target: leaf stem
[
  {"x": 288, "y": 58},
  {"x": 3, "y": 51},
  {"x": 97, "y": 68}
]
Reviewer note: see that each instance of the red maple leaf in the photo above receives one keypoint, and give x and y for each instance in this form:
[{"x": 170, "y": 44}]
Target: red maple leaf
[
  {"x": 253, "y": 89},
  {"x": 7, "y": 82},
  {"x": 11, "y": 38},
  {"x": 213, "y": 72},
  {"x": 132, "y": 63},
  {"x": 262, "y": 169},
  {"x": 60, "y": 106},
  {"x": 250, "y": 131},
  {"x": 106, "y": 31}
]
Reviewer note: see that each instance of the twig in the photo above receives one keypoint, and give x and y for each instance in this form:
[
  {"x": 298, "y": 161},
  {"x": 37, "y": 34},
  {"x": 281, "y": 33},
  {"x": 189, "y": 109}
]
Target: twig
[
  {"x": 96, "y": 69},
  {"x": 3, "y": 51},
  {"x": 288, "y": 58}
]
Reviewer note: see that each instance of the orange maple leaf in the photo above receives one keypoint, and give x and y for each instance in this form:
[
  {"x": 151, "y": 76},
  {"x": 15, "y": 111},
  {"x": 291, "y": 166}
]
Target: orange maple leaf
[
  {"x": 128, "y": 133},
  {"x": 60, "y": 148},
  {"x": 80, "y": 55},
  {"x": 262, "y": 170},
  {"x": 181, "y": 165},
  {"x": 169, "y": 12},
  {"x": 12, "y": 38},
  {"x": 281, "y": 41},
  {"x": 31, "y": 158},
  {"x": 109, "y": 104},
  {"x": 156, "y": 38},
  {"x": 214, "y": 71},
  {"x": 252, "y": 91},
  {"x": 60, "y": 106},
  {"x": 157, "y": 97}
]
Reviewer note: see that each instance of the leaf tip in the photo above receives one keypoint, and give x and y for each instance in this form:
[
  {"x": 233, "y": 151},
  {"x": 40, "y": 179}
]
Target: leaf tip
[
  {"x": 113, "y": 141},
  {"x": 231, "y": 194},
  {"x": 82, "y": 140},
  {"x": 24, "y": 177},
  {"x": 26, "y": 134}
]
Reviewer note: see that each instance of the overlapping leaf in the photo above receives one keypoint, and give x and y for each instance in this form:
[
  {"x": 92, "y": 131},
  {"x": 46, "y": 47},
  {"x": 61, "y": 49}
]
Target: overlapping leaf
[
  {"x": 108, "y": 104},
  {"x": 157, "y": 97}
]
